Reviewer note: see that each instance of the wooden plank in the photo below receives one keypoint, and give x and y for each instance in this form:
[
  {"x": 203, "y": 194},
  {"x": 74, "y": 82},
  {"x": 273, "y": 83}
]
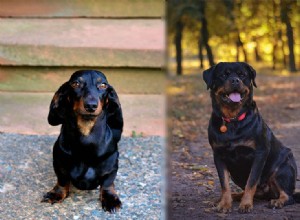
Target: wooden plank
[
  {"x": 82, "y": 42},
  {"x": 80, "y": 8},
  {"x": 48, "y": 79}
]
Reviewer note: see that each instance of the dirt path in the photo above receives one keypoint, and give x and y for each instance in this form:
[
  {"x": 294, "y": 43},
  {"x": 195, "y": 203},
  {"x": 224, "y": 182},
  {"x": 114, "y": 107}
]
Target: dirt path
[{"x": 193, "y": 181}]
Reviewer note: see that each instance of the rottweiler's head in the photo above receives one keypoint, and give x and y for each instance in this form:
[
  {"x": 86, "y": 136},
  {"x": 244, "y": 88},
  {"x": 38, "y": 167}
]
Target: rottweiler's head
[
  {"x": 231, "y": 85},
  {"x": 84, "y": 96}
]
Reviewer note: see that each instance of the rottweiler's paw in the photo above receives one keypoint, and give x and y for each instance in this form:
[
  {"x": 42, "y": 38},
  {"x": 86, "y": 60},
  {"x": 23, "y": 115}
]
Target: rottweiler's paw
[
  {"x": 110, "y": 202},
  {"x": 276, "y": 203},
  {"x": 245, "y": 207},
  {"x": 224, "y": 207}
]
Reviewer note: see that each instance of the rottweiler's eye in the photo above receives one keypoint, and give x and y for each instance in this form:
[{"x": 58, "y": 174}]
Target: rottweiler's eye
[
  {"x": 241, "y": 74},
  {"x": 75, "y": 84},
  {"x": 225, "y": 75},
  {"x": 102, "y": 86}
]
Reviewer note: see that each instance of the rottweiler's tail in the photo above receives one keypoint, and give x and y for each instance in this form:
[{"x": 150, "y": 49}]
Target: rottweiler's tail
[{"x": 296, "y": 197}]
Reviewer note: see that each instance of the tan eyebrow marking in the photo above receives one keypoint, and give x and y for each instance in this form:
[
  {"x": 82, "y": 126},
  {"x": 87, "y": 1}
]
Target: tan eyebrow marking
[{"x": 80, "y": 79}]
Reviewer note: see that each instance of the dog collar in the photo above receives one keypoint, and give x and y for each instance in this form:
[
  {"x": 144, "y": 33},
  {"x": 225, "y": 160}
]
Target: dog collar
[
  {"x": 223, "y": 128},
  {"x": 240, "y": 118}
]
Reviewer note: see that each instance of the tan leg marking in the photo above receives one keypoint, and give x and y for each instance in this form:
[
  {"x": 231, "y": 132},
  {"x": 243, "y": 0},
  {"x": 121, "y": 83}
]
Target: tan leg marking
[
  {"x": 279, "y": 203},
  {"x": 246, "y": 204},
  {"x": 109, "y": 199},
  {"x": 57, "y": 194},
  {"x": 226, "y": 199}
]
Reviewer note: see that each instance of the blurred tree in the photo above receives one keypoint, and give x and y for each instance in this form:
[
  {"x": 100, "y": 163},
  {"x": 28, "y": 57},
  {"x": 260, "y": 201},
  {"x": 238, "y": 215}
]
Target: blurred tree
[
  {"x": 240, "y": 30},
  {"x": 178, "y": 46},
  {"x": 286, "y": 6},
  {"x": 238, "y": 42},
  {"x": 278, "y": 54},
  {"x": 175, "y": 25},
  {"x": 204, "y": 36},
  {"x": 181, "y": 14}
]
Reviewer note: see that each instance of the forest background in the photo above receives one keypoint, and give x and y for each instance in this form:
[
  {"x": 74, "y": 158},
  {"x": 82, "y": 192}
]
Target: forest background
[{"x": 261, "y": 32}]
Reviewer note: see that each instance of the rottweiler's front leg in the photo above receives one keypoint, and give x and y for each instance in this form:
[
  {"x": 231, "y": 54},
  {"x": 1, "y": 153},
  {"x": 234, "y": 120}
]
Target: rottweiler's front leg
[
  {"x": 226, "y": 200},
  {"x": 246, "y": 204},
  {"x": 109, "y": 199}
]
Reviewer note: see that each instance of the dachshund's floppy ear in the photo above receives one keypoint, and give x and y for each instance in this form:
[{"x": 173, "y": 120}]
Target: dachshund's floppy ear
[
  {"x": 208, "y": 77},
  {"x": 114, "y": 110},
  {"x": 113, "y": 102},
  {"x": 58, "y": 105},
  {"x": 252, "y": 72}
]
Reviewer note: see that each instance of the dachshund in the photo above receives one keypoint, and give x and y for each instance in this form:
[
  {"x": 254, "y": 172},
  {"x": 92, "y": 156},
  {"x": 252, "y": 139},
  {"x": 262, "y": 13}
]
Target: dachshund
[{"x": 85, "y": 153}]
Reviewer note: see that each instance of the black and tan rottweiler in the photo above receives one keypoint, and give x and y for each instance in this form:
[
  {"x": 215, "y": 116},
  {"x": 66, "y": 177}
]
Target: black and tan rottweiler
[
  {"x": 244, "y": 147},
  {"x": 86, "y": 151}
]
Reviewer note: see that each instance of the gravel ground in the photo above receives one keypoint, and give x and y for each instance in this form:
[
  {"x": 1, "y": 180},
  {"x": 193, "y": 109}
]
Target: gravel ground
[{"x": 26, "y": 173}]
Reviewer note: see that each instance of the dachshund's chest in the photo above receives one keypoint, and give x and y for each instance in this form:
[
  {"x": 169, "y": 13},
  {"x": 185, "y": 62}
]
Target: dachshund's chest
[
  {"x": 89, "y": 154},
  {"x": 89, "y": 174},
  {"x": 93, "y": 147},
  {"x": 85, "y": 127}
]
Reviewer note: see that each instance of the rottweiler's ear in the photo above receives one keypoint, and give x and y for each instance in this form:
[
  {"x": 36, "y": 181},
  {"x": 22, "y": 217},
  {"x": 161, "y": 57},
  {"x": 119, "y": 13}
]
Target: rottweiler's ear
[
  {"x": 58, "y": 105},
  {"x": 208, "y": 77},
  {"x": 252, "y": 73}
]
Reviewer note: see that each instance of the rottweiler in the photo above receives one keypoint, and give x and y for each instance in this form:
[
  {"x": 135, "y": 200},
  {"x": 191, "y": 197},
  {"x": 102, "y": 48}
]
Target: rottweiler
[
  {"x": 244, "y": 147},
  {"x": 86, "y": 150}
]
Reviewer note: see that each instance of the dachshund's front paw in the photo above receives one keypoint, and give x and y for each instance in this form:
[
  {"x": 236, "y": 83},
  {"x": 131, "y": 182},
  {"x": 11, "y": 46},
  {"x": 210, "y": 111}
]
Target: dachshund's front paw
[
  {"x": 110, "y": 201},
  {"x": 56, "y": 195}
]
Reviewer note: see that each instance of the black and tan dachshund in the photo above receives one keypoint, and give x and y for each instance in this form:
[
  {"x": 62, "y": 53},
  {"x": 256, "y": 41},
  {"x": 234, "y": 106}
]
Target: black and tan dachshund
[
  {"x": 86, "y": 151},
  {"x": 244, "y": 147}
]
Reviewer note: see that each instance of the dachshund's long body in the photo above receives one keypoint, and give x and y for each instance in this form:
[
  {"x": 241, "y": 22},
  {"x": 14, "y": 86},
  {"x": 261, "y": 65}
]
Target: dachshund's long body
[{"x": 86, "y": 151}]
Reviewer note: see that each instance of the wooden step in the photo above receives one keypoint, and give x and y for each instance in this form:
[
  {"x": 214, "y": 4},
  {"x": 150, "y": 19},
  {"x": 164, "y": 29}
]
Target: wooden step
[
  {"x": 80, "y": 8},
  {"x": 82, "y": 42}
]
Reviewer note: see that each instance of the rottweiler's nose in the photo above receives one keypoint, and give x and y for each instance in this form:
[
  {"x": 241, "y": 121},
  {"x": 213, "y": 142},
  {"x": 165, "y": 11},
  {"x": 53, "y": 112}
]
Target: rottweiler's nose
[
  {"x": 235, "y": 81},
  {"x": 91, "y": 106}
]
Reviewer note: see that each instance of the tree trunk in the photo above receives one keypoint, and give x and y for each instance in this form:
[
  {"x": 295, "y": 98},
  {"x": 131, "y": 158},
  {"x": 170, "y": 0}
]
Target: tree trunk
[
  {"x": 200, "y": 52},
  {"x": 284, "y": 62},
  {"x": 256, "y": 51},
  {"x": 178, "y": 39},
  {"x": 230, "y": 4},
  {"x": 257, "y": 57},
  {"x": 274, "y": 59},
  {"x": 289, "y": 34},
  {"x": 237, "y": 57},
  {"x": 240, "y": 44},
  {"x": 245, "y": 53},
  {"x": 205, "y": 34},
  {"x": 276, "y": 35}
]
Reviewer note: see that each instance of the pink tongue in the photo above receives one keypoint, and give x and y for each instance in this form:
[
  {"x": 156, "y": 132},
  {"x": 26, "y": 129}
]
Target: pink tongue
[{"x": 235, "y": 97}]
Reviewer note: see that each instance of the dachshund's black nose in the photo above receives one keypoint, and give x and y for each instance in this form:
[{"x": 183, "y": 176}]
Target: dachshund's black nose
[{"x": 91, "y": 106}]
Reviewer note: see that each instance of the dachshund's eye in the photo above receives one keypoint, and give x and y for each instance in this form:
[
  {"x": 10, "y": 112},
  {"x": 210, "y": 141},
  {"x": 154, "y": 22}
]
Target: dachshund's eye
[
  {"x": 102, "y": 86},
  {"x": 75, "y": 84}
]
